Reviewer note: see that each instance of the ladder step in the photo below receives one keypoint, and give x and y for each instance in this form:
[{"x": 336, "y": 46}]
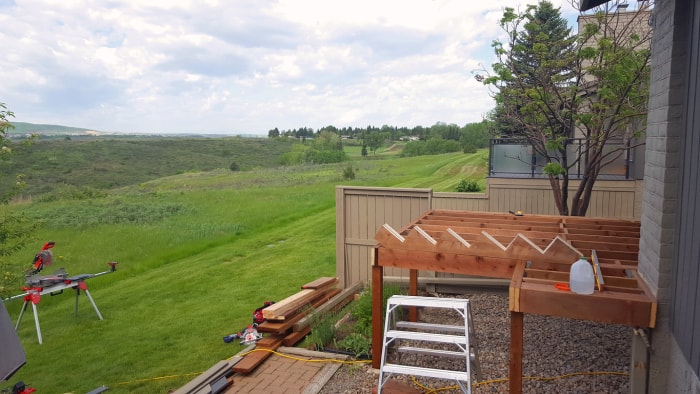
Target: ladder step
[
  {"x": 422, "y": 336},
  {"x": 432, "y": 352},
  {"x": 430, "y": 326},
  {"x": 428, "y": 302},
  {"x": 427, "y": 372}
]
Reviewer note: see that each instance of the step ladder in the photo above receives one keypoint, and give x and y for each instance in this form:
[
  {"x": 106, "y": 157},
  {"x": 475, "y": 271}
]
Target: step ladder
[{"x": 462, "y": 337}]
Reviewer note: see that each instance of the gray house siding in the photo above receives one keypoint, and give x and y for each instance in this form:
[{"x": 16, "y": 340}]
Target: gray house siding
[
  {"x": 685, "y": 298},
  {"x": 668, "y": 257}
]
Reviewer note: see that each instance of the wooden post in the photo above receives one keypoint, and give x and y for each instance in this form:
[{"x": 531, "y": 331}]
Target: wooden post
[
  {"x": 516, "y": 353},
  {"x": 412, "y": 290},
  {"x": 377, "y": 318}
]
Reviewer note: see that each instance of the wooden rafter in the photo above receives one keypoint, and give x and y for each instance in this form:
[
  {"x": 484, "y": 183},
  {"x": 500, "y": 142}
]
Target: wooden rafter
[
  {"x": 493, "y": 244},
  {"x": 535, "y": 252}
]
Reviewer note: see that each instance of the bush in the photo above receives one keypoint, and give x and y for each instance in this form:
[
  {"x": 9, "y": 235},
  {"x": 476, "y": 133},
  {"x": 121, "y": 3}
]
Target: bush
[
  {"x": 323, "y": 330},
  {"x": 234, "y": 167},
  {"x": 362, "y": 308},
  {"x": 466, "y": 186},
  {"x": 348, "y": 173}
]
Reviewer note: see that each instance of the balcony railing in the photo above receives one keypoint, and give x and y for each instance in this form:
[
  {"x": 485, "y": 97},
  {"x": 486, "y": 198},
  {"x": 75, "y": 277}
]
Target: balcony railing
[{"x": 516, "y": 158}]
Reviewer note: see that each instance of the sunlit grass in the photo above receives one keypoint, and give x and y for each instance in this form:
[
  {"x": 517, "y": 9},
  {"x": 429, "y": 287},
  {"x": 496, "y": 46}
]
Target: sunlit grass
[{"x": 189, "y": 278}]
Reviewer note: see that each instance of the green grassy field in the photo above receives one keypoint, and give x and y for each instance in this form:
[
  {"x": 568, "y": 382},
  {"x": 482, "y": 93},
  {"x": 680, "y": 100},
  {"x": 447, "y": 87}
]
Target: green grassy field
[
  {"x": 108, "y": 162},
  {"x": 197, "y": 253}
]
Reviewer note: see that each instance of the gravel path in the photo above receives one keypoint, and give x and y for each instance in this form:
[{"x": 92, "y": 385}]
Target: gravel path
[{"x": 552, "y": 347}]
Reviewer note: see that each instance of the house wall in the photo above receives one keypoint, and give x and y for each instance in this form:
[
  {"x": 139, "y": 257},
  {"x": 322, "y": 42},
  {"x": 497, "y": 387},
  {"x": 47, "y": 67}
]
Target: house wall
[{"x": 672, "y": 124}]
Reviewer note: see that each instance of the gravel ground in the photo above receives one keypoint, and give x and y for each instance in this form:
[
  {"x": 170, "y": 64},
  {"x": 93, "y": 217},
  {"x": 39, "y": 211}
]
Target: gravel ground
[{"x": 552, "y": 347}]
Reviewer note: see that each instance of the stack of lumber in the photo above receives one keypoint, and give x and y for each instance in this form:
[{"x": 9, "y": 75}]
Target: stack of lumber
[{"x": 288, "y": 321}]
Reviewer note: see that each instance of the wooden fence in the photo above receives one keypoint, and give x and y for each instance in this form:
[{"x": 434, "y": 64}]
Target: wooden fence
[{"x": 361, "y": 211}]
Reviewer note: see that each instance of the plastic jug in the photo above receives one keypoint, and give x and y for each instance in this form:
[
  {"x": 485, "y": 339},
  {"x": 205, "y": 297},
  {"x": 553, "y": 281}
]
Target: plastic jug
[{"x": 581, "y": 279}]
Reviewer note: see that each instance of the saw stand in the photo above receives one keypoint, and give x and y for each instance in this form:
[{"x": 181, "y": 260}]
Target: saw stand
[{"x": 34, "y": 296}]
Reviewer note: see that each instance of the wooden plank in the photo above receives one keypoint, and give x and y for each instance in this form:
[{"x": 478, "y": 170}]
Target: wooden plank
[
  {"x": 320, "y": 282},
  {"x": 337, "y": 300},
  {"x": 284, "y": 326},
  {"x": 292, "y": 304},
  {"x": 514, "y": 288},
  {"x": 447, "y": 262},
  {"x": 296, "y": 336},
  {"x": 606, "y": 307},
  {"x": 253, "y": 359},
  {"x": 396, "y": 387},
  {"x": 377, "y": 317},
  {"x": 281, "y": 327},
  {"x": 515, "y": 374},
  {"x": 250, "y": 362}
]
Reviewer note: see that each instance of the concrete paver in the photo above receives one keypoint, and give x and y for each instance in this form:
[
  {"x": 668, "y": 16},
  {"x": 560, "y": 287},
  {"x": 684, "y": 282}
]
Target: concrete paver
[{"x": 288, "y": 372}]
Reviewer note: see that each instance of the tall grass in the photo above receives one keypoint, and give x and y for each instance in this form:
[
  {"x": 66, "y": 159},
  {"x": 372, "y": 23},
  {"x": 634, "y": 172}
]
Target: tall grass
[{"x": 197, "y": 254}]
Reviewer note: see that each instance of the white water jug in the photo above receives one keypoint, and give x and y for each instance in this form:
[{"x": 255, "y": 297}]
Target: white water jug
[{"x": 581, "y": 279}]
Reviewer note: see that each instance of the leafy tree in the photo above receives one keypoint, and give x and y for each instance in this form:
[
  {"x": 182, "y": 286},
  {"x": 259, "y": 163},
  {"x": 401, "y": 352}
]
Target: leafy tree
[
  {"x": 274, "y": 133},
  {"x": 374, "y": 141},
  {"x": 552, "y": 86},
  {"x": 475, "y": 136},
  {"x": 15, "y": 230}
]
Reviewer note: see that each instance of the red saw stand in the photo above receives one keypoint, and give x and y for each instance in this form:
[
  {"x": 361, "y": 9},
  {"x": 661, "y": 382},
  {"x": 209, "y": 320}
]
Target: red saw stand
[{"x": 33, "y": 295}]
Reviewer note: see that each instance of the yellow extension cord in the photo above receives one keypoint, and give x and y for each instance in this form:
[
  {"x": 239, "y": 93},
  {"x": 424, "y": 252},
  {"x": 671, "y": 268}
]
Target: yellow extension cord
[{"x": 428, "y": 390}]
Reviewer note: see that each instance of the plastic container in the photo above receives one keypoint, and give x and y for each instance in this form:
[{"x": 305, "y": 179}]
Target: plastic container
[{"x": 581, "y": 279}]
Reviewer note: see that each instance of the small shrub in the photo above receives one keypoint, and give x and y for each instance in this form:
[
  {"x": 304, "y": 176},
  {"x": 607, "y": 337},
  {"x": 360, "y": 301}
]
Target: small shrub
[
  {"x": 356, "y": 343},
  {"x": 362, "y": 308},
  {"x": 469, "y": 148},
  {"x": 234, "y": 167},
  {"x": 323, "y": 331},
  {"x": 348, "y": 173},
  {"x": 466, "y": 186}
]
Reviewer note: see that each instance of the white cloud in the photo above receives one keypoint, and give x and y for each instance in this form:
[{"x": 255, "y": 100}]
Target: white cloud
[{"x": 246, "y": 67}]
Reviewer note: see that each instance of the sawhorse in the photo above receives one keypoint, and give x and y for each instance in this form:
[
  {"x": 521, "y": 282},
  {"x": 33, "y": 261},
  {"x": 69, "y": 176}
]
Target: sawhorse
[{"x": 33, "y": 296}]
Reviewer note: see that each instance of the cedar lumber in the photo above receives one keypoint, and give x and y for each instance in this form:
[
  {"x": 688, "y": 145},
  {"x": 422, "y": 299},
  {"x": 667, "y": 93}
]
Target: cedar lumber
[
  {"x": 338, "y": 301},
  {"x": 296, "y": 336},
  {"x": 276, "y": 311},
  {"x": 290, "y": 305},
  {"x": 320, "y": 282},
  {"x": 298, "y": 306},
  {"x": 283, "y": 327},
  {"x": 255, "y": 358},
  {"x": 515, "y": 373}
]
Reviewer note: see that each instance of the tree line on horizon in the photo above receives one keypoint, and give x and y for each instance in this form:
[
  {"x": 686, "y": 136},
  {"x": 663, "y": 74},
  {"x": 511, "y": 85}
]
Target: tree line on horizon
[{"x": 325, "y": 145}]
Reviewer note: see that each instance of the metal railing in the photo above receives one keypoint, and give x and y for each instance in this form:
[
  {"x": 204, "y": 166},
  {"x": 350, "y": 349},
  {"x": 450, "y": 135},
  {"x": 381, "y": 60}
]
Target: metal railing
[{"x": 516, "y": 158}]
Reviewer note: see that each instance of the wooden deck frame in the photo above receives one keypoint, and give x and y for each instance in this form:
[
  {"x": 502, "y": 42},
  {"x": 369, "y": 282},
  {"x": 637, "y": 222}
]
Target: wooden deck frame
[{"x": 535, "y": 252}]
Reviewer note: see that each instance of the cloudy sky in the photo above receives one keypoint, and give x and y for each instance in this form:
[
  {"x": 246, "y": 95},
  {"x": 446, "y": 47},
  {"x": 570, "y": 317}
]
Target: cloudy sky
[{"x": 245, "y": 67}]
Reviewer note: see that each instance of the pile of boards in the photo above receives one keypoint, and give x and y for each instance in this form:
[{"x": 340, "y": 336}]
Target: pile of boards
[{"x": 286, "y": 323}]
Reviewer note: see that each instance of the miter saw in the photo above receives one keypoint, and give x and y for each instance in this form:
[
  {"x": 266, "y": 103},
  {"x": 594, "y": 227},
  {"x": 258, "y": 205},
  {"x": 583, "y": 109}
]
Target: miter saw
[{"x": 38, "y": 285}]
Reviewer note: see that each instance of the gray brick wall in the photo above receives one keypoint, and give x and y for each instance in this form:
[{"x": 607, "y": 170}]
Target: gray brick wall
[
  {"x": 669, "y": 372},
  {"x": 662, "y": 150}
]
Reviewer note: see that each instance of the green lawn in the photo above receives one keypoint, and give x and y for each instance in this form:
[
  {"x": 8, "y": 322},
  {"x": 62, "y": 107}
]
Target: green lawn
[{"x": 197, "y": 253}]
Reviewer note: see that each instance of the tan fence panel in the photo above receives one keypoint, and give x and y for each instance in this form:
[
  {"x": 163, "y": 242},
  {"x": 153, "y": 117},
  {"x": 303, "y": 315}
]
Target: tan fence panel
[
  {"x": 461, "y": 201},
  {"x": 361, "y": 211}
]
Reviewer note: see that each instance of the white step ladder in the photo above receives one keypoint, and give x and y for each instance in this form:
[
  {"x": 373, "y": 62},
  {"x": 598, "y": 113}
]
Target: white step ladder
[{"x": 424, "y": 333}]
